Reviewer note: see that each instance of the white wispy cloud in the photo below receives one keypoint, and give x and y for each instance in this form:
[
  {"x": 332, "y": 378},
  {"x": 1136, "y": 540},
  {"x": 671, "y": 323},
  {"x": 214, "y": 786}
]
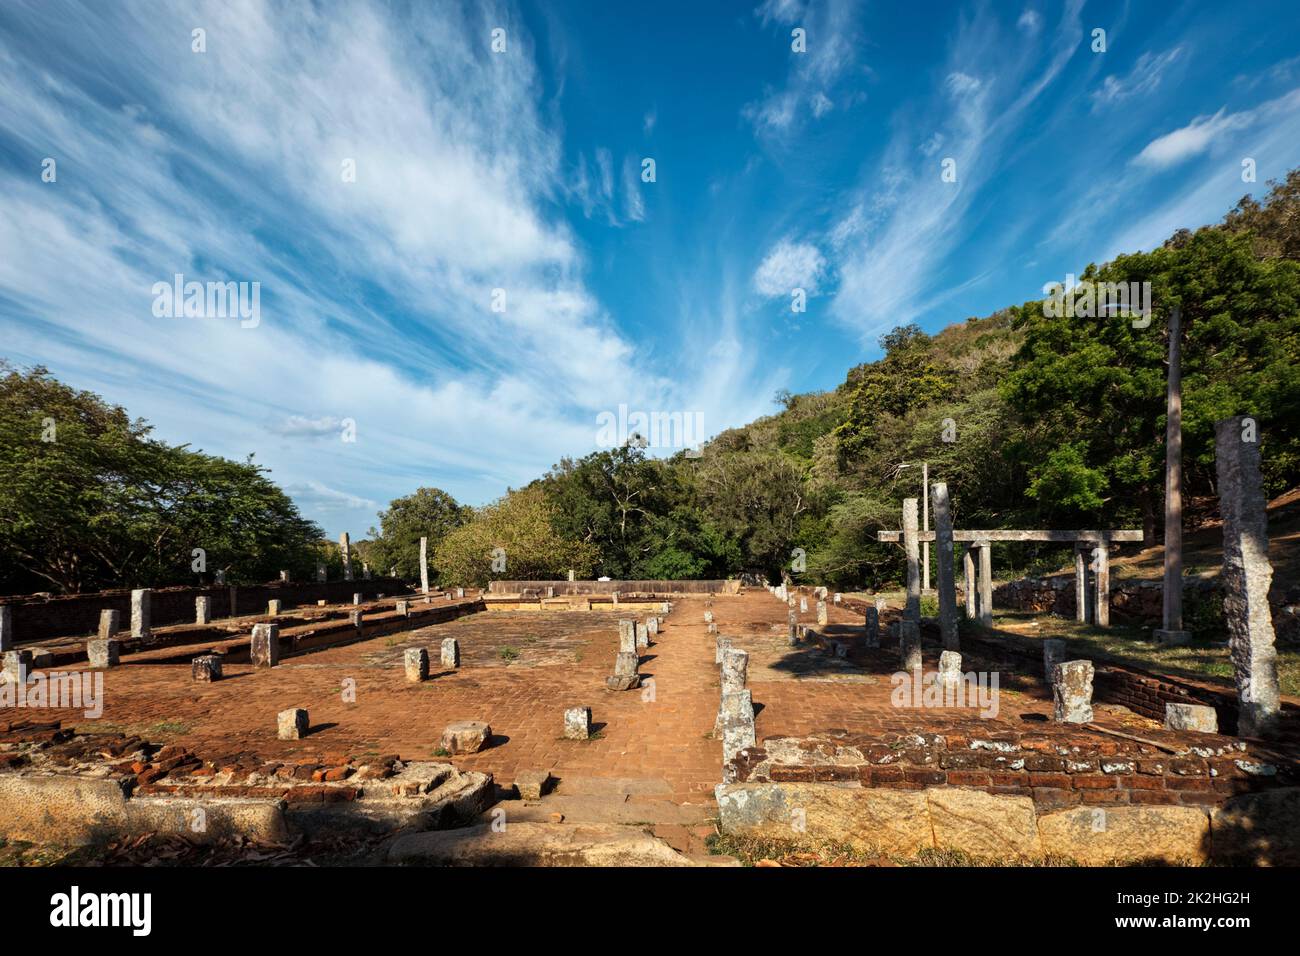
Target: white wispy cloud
[
  {"x": 1143, "y": 79},
  {"x": 790, "y": 265}
]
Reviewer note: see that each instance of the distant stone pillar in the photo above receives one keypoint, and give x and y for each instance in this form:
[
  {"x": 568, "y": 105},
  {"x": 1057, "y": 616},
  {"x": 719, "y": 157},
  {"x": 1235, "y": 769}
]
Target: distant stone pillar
[
  {"x": 110, "y": 621},
  {"x": 140, "y": 606},
  {"x": 968, "y": 581},
  {"x": 202, "y": 610},
  {"x": 1081, "y": 582},
  {"x": 986, "y": 583},
  {"x": 1101, "y": 584},
  {"x": 424, "y": 565},
  {"x": 345, "y": 546},
  {"x": 450, "y": 652},
  {"x": 911, "y": 545},
  {"x": 416, "y": 663},
  {"x": 284, "y": 577},
  {"x": 322, "y": 573},
  {"x": 873, "y": 627},
  {"x": 273, "y": 607},
  {"x": 822, "y": 616},
  {"x": 6, "y": 628},
  {"x": 943, "y": 557},
  {"x": 909, "y": 645},
  {"x": 1247, "y": 575},
  {"x": 949, "y": 672},
  {"x": 571, "y": 577}
]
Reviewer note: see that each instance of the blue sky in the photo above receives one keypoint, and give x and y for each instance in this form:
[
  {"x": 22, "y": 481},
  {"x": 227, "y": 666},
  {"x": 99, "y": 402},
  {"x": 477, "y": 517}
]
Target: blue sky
[{"x": 521, "y": 171}]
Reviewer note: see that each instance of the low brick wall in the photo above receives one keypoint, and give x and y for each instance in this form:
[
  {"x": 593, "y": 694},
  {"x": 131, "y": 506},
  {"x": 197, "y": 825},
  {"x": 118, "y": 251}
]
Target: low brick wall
[{"x": 38, "y": 618}]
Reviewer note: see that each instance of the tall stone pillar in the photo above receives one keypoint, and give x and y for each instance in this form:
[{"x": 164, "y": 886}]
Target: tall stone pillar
[
  {"x": 1101, "y": 584},
  {"x": 1172, "y": 632},
  {"x": 1247, "y": 575},
  {"x": 968, "y": 580},
  {"x": 911, "y": 545},
  {"x": 345, "y": 546},
  {"x": 424, "y": 565},
  {"x": 925, "y": 525},
  {"x": 1081, "y": 582},
  {"x": 986, "y": 583},
  {"x": 140, "y": 606},
  {"x": 943, "y": 557},
  {"x": 6, "y": 628}
]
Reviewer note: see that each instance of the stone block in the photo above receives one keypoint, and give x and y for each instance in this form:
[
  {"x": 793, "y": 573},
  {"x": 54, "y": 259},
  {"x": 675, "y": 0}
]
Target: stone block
[
  {"x": 206, "y": 668},
  {"x": 403, "y": 608},
  {"x": 264, "y": 650},
  {"x": 110, "y": 622},
  {"x": 202, "y": 610},
  {"x": 949, "y": 670},
  {"x": 577, "y": 723},
  {"x": 273, "y": 607},
  {"x": 292, "y": 724},
  {"x": 983, "y": 824},
  {"x": 1072, "y": 692},
  {"x": 720, "y": 647},
  {"x": 735, "y": 670},
  {"x": 141, "y": 602},
  {"x": 1197, "y": 717},
  {"x": 466, "y": 737},
  {"x": 416, "y": 663},
  {"x": 450, "y": 653},
  {"x": 627, "y": 637},
  {"x": 17, "y": 667},
  {"x": 532, "y": 784},
  {"x": 1098, "y": 836},
  {"x": 103, "y": 653}
]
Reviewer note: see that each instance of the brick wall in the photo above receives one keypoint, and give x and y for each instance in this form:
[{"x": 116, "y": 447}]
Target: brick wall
[
  {"x": 39, "y": 618},
  {"x": 608, "y": 587}
]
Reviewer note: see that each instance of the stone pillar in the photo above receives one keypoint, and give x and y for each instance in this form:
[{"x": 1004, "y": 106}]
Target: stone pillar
[
  {"x": 968, "y": 581},
  {"x": 284, "y": 577},
  {"x": 708, "y": 617},
  {"x": 345, "y": 546},
  {"x": 642, "y": 634},
  {"x": 1101, "y": 585},
  {"x": 264, "y": 650},
  {"x": 822, "y": 616},
  {"x": 403, "y": 608},
  {"x": 792, "y": 625},
  {"x": 1072, "y": 692},
  {"x": 1053, "y": 654},
  {"x": 627, "y": 636},
  {"x": 1080, "y": 583},
  {"x": 873, "y": 628},
  {"x": 356, "y": 598},
  {"x": 7, "y": 628},
  {"x": 416, "y": 662},
  {"x": 450, "y": 653},
  {"x": 17, "y": 667},
  {"x": 273, "y": 607},
  {"x": 949, "y": 671},
  {"x": 202, "y": 610},
  {"x": 912, "y": 611},
  {"x": 577, "y": 723},
  {"x": 986, "y": 583},
  {"x": 909, "y": 645},
  {"x": 322, "y": 573},
  {"x": 110, "y": 622},
  {"x": 720, "y": 647},
  {"x": 943, "y": 555},
  {"x": 735, "y": 670},
  {"x": 652, "y": 625},
  {"x": 292, "y": 724},
  {"x": 103, "y": 653},
  {"x": 1247, "y": 576},
  {"x": 571, "y": 577},
  {"x": 625, "y": 675},
  {"x": 219, "y": 576},
  {"x": 424, "y": 565},
  {"x": 140, "y": 604}
]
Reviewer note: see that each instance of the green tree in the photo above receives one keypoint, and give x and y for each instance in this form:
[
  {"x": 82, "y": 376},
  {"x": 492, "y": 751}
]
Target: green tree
[{"x": 429, "y": 512}]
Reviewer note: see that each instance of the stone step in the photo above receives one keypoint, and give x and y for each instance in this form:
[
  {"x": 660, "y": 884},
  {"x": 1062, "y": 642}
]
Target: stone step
[
  {"x": 615, "y": 809},
  {"x": 537, "y": 844}
]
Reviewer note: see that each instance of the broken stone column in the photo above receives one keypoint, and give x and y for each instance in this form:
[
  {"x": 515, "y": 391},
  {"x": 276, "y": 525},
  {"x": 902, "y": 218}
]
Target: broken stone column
[
  {"x": 912, "y": 548},
  {"x": 466, "y": 736},
  {"x": 949, "y": 671},
  {"x": 822, "y": 616},
  {"x": 424, "y": 565},
  {"x": 1101, "y": 584},
  {"x": 708, "y": 617},
  {"x": 140, "y": 606},
  {"x": 284, "y": 577},
  {"x": 357, "y": 619},
  {"x": 202, "y": 610},
  {"x": 403, "y": 608},
  {"x": 720, "y": 647},
  {"x": 450, "y": 652},
  {"x": 6, "y": 628},
  {"x": 577, "y": 723},
  {"x": 652, "y": 625},
  {"x": 712, "y": 628},
  {"x": 735, "y": 670},
  {"x": 1072, "y": 692},
  {"x": 17, "y": 667},
  {"x": 356, "y": 597},
  {"x": 206, "y": 668},
  {"x": 110, "y": 622},
  {"x": 292, "y": 724},
  {"x": 1195, "y": 717},
  {"x": 735, "y": 718},
  {"x": 625, "y": 675},
  {"x": 642, "y": 634},
  {"x": 273, "y": 607},
  {"x": 792, "y": 627},
  {"x": 1247, "y": 576},
  {"x": 103, "y": 653},
  {"x": 736, "y": 707},
  {"x": 416, "y": 662},
  {"x": 264, "y": 650},
  {"x": 872, "y": 628},
  {"x": 1053, "y": 654},
  {"x": 322, "y": 574},
  {"x": 909, "y": 645},
  {"x": 345, "y": 546},
  {"x": 627, "y": 637},
  {"x": 943, "y": 547},
  {"x": 803, "y": 605}
]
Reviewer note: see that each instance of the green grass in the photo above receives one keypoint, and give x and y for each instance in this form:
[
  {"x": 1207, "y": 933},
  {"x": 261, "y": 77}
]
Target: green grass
[{"x": 509, "y": 654}]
